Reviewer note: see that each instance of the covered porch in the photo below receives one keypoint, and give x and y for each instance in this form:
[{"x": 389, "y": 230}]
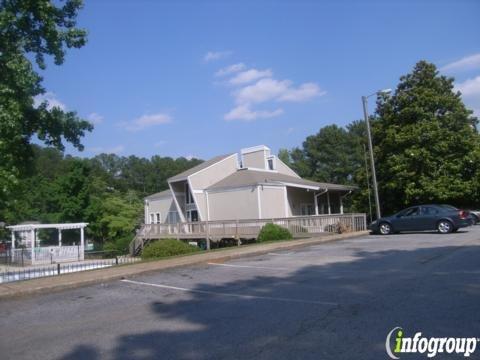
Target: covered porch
[{"x": 305, "y": 201}]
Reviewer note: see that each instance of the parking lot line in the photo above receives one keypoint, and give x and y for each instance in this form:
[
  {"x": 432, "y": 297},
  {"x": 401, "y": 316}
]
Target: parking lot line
[
  {"x": 242, "y": 296},
  {"x": 248, "y": 266}
]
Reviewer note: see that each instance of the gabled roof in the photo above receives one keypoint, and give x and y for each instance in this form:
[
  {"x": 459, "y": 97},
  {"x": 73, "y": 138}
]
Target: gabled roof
[
  {"x": 161, "y": 194},
  {"x": 245, "y": 177},
  {"x": 198, "y": 168}
]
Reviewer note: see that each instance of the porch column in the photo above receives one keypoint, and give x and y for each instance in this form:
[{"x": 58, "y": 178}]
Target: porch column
[
  {"x": 13, "y": 240},
  {"x": 59, "y": 237},
  {"x": 208, "y": 206},
  {"x": 32, "y": 238},
  {"x": 328, "y": 202},
  {"x": 341, "y": 205},
  {"x": 315, "y": 198}
]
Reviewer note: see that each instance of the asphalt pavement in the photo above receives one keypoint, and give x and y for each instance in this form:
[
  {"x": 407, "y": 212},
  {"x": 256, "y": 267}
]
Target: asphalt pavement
[{"x": 335, "y": 300}]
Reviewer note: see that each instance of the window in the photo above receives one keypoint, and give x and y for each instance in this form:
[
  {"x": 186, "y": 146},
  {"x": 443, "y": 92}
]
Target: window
[
  {"x": 172, "y": 217},
  {"x": 159, "y": 218},
  {"x": 192, "y": 215},
  {"x": 429, "y": 210},
  {"x": 271, "y": 163},
  {"x": 308, "y": 209},
  {"x": 188, "y": 195},
  {"x": 412, "y": 212},
  {"x": 152, "y": 218}
]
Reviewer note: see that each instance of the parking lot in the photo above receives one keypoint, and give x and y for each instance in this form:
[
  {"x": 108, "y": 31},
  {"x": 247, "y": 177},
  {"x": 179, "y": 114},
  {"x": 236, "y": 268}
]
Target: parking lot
[{"x": 336, "y": 300}]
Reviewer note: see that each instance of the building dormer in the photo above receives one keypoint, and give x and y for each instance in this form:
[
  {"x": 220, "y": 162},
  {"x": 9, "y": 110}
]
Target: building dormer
[{"x": 258, "y": 157}]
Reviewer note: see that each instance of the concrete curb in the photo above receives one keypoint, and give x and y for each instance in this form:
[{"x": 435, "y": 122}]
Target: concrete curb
[{"x": 74, "y": 280}]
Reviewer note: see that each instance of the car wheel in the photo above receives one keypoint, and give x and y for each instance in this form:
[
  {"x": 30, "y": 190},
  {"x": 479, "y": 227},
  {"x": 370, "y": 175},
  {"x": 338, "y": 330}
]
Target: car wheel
[
  {"x": 444, "y": 227},
  {"x": 385, "y": 228}
]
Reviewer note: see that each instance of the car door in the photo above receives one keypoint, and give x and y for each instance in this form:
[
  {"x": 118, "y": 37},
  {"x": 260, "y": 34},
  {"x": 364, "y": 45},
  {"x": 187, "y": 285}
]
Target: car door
[
  {"x": 428, "y": 218},
  {"x": 406, "y": 220}
]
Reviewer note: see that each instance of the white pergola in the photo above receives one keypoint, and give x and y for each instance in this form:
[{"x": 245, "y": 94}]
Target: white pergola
[{"x": 34, "y": 227}]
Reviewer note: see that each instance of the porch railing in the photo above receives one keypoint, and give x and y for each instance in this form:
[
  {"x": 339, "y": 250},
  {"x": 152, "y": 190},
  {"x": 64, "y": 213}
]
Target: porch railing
[{"x": 299, "y": 226}]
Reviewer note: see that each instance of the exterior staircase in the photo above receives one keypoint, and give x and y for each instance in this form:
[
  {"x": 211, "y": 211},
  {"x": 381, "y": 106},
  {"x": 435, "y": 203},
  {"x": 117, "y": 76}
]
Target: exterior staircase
[{"x": 139, "y": 242}]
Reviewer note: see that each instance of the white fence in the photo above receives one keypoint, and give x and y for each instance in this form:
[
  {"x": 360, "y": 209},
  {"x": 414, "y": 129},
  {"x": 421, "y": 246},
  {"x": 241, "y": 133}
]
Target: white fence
[{"x": 47, "y": 255}]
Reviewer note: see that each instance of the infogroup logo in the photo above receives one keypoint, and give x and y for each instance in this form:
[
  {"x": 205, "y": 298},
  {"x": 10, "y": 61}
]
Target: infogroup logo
[{"x": 397, "y": 343}]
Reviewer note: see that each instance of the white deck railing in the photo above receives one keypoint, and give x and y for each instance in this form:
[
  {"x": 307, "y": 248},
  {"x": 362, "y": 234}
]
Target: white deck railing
[{"x": 299, "y": 226}]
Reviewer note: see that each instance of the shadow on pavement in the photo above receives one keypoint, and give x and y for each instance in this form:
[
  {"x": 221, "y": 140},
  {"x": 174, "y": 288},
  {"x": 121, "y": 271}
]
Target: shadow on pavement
[{"x": 420, "y": 290}]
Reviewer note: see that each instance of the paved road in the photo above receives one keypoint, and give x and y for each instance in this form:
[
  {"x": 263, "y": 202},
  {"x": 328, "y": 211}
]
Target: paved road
[{"x": 331, "y": 301}]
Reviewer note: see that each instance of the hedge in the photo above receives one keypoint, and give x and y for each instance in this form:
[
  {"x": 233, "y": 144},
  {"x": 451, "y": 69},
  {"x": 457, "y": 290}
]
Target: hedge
[
  {"x": 271, "y": 232},
  {"x": 167, "y": 247}
]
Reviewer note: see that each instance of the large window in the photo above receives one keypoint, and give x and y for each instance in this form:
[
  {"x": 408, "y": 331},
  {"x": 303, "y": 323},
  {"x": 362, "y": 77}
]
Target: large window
[
  {"x": 152, "y": 218},
  {"x": 308, "y": 209},
  {"x": 188, "y": 195},
  {"x": 159, "y": 218}
]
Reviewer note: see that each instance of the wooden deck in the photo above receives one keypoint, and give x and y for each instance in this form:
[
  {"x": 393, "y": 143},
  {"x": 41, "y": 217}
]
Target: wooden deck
[{"x": 299, "y": 226}]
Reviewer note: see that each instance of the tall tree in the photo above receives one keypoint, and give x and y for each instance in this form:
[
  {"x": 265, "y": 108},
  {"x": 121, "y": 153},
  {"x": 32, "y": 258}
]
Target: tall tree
[
  {"x": 427, "y": 148},
  {"x": 33, "y": 28},
  {"x": 332, "y": 155}
]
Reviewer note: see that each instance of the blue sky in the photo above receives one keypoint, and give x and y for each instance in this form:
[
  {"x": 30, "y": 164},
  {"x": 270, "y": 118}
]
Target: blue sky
[{"x": 202, "y": 78}]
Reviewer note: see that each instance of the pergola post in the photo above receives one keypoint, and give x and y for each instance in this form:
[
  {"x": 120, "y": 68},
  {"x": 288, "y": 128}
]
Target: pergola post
[
  {"x": 82, "y": 240},
  {"x": 328, "y": 202},
  {"x": 32, "y": 238},
  {"x": 59, "y": 237},
  {"x": 13, "y": 240}
]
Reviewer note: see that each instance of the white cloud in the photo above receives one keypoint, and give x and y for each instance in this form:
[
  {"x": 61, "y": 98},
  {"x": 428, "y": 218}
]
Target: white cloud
[
  {"x": 147, "y": 121},
  {"x": 303, "y": 93},
  {"x": 262, "y": 91},
  {"x": 253, "y": 86},
  {"x": 271, "y": 89},
  {"x": 51, "y": 99},
  {"x": 466, "y": 63},
  {"x": 230, "y": 69},
  {"x": 243, "y": 112},
  {"x": 95, "y": 118},
  {"x": 470, "y": 90},
  {"x": 469, "y": 87},
  {"x": 215, "y": 55},
  {"x": 113, "y": 150},
  {"x": 250, "y": 75}
]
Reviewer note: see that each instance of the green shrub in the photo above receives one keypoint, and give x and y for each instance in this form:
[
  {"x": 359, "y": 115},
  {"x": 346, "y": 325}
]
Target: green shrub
[
  {"x": 273, "y": 232},
  {"x": 166, "y": 248}
]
